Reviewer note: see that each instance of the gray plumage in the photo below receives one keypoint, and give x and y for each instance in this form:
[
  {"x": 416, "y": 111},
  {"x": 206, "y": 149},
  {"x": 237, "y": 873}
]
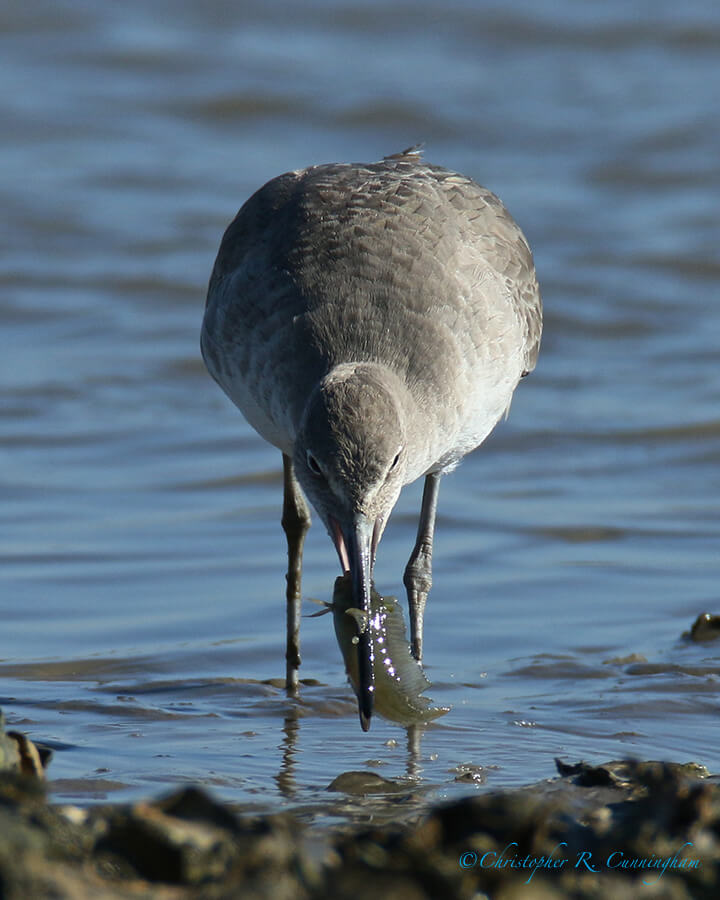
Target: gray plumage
[{"x": 372, "y": 322}]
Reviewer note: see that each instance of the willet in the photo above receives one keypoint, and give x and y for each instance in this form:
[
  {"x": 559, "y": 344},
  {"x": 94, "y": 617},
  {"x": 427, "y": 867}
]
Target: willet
[{"x": 372, "y": 322}]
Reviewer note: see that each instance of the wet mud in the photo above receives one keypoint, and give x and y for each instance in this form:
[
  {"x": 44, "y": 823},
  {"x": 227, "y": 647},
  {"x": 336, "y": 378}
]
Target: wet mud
[{"x": 616, "y": 829}]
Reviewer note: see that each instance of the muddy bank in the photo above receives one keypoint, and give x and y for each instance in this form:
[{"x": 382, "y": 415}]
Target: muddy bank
[{"x": 593, "y": 831}]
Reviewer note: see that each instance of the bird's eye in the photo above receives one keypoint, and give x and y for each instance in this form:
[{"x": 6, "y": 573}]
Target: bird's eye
[
  {"x": 313, "y": 464},
  {"x": 395, "y": 461}
]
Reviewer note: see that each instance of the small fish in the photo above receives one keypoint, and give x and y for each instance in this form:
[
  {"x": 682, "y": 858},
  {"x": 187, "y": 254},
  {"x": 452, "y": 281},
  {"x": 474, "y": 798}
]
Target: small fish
[{"x": 399, "y": 677}]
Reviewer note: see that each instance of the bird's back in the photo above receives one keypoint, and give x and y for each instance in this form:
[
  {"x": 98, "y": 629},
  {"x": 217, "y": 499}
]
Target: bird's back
[{"x": 397, "y": 262}]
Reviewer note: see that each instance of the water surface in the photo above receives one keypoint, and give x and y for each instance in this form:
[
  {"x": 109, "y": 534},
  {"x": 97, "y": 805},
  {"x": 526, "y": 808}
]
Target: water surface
[{"x": 142, "y": 558}]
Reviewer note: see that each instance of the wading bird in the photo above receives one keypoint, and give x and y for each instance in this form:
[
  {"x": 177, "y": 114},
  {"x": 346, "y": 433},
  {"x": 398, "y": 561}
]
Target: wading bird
[{"x": 372, "y": 322}]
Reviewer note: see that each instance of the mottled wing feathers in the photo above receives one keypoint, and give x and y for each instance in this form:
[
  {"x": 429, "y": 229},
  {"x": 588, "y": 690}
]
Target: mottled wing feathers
[{"x": 397, "y": 262}]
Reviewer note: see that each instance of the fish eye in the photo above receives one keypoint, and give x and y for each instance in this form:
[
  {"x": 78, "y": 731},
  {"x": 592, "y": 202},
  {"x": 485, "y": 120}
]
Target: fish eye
[{"x": 313, "y": 464}]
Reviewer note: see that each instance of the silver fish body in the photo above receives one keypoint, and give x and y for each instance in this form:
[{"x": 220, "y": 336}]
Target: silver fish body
[{"x": 399, "y": 678}]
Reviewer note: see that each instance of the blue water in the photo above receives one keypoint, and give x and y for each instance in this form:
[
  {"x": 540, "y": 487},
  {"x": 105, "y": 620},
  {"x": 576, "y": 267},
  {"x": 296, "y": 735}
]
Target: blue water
[{"x": 142, "y": 561}]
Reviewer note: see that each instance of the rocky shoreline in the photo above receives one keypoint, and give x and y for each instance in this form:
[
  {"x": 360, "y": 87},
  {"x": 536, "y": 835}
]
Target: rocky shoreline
[{"x": 624, "y": 829}]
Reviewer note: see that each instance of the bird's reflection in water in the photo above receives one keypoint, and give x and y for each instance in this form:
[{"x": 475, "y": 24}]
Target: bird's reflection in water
[
  {"x": 357, "y": 787},
  {"x": 285, "y": 778}
]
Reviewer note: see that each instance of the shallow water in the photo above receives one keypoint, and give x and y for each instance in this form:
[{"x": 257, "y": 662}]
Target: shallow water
[{"x": 142, "y": 559}]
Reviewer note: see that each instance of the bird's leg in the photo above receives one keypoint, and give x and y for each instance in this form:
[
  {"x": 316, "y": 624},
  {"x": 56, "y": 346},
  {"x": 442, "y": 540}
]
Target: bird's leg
[
  {"x": 418, "y": 572},
  {"x": 295, "y": 523}
]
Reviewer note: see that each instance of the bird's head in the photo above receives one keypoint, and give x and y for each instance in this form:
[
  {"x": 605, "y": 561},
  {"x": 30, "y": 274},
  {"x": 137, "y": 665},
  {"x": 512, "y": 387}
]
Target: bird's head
[{"x": 349, "y": 457}]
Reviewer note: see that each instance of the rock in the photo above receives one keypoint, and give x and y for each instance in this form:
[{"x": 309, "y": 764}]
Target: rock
[
  {"x": 362, "y": 783},
  {"x": 705, "y": 628},
  {"x": 18, "y": 753}
]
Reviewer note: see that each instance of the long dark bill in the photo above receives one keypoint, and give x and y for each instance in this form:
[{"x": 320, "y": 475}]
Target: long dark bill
[{"x": 360, "y": 549}]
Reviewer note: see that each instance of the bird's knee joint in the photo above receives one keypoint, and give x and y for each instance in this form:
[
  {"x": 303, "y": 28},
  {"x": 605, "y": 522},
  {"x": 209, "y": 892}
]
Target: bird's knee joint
[
  {"x": 295, "y": 527},
  {"x": 417, "y": 578}
]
